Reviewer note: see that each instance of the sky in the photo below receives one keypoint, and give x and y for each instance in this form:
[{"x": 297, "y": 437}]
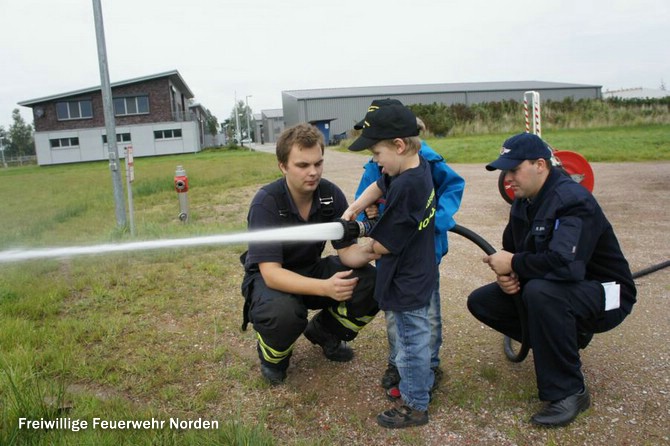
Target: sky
[{"x": 253, "y": 50}]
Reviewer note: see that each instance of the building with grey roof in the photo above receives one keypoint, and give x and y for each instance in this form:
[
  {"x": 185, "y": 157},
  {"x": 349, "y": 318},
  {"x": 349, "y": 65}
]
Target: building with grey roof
[{"x": 336, "y": 110}]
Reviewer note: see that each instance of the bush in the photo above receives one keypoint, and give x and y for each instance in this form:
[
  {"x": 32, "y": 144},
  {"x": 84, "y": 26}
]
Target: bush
[{"x": 500, "y": 117}]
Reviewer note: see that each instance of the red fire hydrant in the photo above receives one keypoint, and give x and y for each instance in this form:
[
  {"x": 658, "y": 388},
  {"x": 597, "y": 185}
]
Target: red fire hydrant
[{"x": 181, "y": 186}]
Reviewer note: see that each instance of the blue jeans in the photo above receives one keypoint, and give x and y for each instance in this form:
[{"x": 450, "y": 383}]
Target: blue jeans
[
  {"x": 413, "y": 358},
  {"x": 435, "y": 319}
]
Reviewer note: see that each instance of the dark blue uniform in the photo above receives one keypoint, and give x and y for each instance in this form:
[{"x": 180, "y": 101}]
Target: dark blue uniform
[
  {"x": 564, "y": 248},
  {"x": 280, "y": 318}
]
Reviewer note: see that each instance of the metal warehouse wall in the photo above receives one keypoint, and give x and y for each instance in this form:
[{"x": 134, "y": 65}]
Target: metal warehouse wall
[{"x": 346, "y": 111}]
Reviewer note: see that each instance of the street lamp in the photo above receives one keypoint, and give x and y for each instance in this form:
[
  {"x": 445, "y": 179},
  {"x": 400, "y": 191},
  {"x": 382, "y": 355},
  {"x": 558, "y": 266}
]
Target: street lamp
[{"x": 246, "y": 100}]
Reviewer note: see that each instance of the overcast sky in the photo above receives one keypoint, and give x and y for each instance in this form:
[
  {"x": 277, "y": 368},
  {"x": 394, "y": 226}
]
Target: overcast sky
[{"x": 259, "y": 48}]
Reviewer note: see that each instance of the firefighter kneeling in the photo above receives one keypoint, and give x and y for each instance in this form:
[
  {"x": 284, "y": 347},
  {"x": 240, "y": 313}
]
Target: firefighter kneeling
[{"x": 284, "y": 280}]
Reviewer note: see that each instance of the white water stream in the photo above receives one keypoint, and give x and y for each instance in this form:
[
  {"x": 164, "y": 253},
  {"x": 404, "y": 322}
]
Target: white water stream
[{"x": 315, "y": 232}]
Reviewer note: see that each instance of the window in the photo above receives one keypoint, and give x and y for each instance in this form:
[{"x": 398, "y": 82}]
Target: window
[
  {"x": 81, "y": 109},
  {"x": 120, "y": 137},
  {"x": 64, "y": 143},
  {"x": 131, "y": 105},
  {"x": 167, "y": 134}
]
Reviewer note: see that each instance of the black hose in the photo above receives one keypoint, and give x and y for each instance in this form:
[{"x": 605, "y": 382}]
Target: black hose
[
  {"x": 507, "y": 341},
  {"x": 651, "y": 269}
]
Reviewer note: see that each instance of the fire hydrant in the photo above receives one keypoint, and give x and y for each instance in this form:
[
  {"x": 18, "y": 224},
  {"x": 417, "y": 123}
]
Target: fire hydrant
[{"x": 181, "y": 186}]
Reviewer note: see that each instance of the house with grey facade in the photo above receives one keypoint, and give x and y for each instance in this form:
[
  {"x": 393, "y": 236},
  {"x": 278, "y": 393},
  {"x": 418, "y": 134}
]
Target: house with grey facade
[
  {"x": 335, "y": 110},
  {"x": 153, "y": 114}
]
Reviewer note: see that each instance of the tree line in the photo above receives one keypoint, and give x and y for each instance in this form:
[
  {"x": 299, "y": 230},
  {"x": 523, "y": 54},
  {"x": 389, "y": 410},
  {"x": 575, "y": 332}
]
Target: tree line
[{"x": 17, "y": 140}]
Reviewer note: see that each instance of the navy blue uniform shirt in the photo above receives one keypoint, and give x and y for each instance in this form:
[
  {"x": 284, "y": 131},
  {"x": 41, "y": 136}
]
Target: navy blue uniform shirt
[
  {"x": 264, "y": 214},
  {"x": 563, "y": 235}
]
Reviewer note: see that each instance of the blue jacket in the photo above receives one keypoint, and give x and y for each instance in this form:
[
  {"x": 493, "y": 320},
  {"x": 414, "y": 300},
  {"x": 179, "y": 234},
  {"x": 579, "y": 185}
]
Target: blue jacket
[{"x": 448, "y": 189}]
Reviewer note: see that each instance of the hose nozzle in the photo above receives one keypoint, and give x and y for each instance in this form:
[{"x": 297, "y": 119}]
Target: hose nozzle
[{"x": 355, "y": 229}]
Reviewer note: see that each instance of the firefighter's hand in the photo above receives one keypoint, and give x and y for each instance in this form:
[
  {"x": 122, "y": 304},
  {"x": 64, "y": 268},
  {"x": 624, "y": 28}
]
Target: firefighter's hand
[
  {"x": 509, "y": 284},
  {"x": 500, "y": 262},
  {"x": 339, "y": 287}
]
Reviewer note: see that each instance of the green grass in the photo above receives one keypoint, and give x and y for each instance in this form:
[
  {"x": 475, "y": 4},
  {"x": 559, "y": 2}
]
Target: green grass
[
  {"x": 135, "y": 336},
  {"x": 617, "y": 144}
]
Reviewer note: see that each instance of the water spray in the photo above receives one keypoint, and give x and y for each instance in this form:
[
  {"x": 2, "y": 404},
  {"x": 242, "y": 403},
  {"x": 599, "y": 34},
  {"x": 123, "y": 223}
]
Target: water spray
[{"x": 338, "y": 230}]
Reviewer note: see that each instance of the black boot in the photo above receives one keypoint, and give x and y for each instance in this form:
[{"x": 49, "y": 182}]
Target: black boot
[
  {"x": 333, "y": 348},
  {"x": 563, "y": 412}
]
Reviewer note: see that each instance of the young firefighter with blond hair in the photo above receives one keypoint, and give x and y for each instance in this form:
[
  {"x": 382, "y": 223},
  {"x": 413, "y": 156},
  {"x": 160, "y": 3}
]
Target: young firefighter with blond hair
[{"x": 404, "y": 237}]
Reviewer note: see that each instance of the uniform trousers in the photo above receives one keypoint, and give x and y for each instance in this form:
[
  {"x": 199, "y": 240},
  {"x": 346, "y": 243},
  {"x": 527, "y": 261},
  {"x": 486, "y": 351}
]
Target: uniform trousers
[
  {"x": 556, "y": 312},
  {"x": 280, "y": 318}
]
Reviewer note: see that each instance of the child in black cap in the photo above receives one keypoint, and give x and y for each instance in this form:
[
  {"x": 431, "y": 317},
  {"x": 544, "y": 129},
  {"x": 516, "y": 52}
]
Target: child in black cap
[{"x": 404, "y": 236}]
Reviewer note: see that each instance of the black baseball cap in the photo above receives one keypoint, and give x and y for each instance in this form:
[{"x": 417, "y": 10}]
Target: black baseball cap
[
  {"x": 377, "y": 103},
  {"x": 385, "y": 119},
  {"x": 517, "y": 149}
]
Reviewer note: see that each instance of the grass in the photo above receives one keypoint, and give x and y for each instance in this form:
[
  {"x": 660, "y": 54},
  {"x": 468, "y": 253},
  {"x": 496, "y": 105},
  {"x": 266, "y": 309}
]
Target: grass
[
  {"x": 609, "y": 144},
  {"x": 156, "y": 334}
]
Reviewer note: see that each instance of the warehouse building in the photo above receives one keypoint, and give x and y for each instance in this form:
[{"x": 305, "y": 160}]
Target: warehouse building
[{"x": 335, "y": 110}]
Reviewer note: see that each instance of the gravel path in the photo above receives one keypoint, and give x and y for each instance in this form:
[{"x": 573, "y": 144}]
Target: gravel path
[{"x": 627, "y": 369}]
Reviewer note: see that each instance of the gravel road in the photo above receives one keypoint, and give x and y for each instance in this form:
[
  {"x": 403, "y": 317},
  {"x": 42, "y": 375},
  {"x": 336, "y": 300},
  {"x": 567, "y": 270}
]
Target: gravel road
[{"x": 627, "y": 369}]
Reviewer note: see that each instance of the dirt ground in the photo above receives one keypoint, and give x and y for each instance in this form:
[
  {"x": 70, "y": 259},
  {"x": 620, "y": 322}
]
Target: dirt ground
[{"x": 627, "y": 369}]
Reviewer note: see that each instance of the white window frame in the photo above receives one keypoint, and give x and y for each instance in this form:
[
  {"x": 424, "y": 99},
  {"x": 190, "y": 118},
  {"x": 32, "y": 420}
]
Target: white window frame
[
  {"x": 120, "y": 137},
  {"x": 161, "y": 135},
  {"x": 65, "y": 143}
]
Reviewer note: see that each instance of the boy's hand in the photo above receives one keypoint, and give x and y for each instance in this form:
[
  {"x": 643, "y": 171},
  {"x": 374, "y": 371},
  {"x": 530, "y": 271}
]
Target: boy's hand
[
  {"x": 372, "y": 212},
  {"x": 349, "y": 214}
]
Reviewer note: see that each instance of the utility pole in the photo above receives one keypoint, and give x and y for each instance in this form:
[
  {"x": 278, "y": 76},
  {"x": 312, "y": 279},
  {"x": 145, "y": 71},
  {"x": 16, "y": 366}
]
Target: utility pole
[
  {"x": 246, "y": 112},
  {"x": 108, "y": 108}
]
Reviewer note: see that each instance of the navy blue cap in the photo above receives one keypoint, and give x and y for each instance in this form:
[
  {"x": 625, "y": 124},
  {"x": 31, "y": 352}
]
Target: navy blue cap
[
  {"x": 385, "y": 119},
  {"x": 519, "y": 148}
]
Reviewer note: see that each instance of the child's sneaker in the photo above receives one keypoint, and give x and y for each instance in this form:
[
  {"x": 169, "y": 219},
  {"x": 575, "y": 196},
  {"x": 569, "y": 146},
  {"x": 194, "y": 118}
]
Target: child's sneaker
[
  {"x": 391, "y": 377},
  {"x": 393, "y": 394},
  {"x": 403, "y": 416}
]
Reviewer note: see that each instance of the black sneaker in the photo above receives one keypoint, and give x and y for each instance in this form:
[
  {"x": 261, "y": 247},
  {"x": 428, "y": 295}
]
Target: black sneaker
[
  {"x": 391, "y": 377},
  {"x": 403, "y": 416},
  {"x": 332, "y": 347},
  {"x": 273, "y": 376}
]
